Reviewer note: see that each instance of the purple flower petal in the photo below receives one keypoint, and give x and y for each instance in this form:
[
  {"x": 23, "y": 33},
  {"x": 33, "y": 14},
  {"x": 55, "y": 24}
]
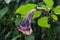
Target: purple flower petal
[{"x": 25, "y": 26}]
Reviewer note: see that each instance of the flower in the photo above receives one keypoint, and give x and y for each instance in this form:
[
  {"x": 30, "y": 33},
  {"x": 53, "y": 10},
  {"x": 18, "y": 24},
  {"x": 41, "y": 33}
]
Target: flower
[{"x": 25, "y": 26}]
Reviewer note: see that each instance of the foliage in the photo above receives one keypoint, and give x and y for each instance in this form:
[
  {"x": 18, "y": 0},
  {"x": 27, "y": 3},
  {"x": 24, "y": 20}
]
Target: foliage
[
  {"x": 43, "y": 22},
  {"x": 24, "y": 9},
  {"x": 45, "y": 25},
  {"x": 3, "y": 11},
  {"x": 57, "y": 10},
  {"x": 49, "y": 4},
  {"x": 54, "y": 17}
]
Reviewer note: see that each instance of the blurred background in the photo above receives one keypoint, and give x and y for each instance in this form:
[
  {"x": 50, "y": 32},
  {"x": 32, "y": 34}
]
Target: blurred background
[{"x": 9, "y": 21}]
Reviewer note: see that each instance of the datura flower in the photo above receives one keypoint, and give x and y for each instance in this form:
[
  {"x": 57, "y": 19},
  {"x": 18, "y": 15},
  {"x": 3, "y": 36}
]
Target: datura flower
[{"x": 25, "y": 26}]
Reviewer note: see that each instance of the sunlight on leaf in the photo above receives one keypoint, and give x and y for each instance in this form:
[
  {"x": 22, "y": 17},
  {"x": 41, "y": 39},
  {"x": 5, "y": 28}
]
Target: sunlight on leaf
[
  {"x": 43, "y": 22},
  {"x": 57, "y": 10},
  {"x": 49, "y": 3},
  {"x": 44, "y": 6},
  {"x": 54, "y": 17},
  {"x": 36, "y": 14},
  {"x": 24, "y": 9}
]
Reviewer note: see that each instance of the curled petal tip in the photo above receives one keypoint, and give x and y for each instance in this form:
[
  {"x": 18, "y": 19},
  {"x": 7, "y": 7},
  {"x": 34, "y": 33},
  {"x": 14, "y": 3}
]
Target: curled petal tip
[
  {"x": 27, "y": 32},
  {"x": 25, "y": 26}
]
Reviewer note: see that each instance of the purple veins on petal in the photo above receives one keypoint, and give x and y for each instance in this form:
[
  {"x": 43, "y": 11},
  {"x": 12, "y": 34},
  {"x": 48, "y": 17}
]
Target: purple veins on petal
[{"x": 25, "y": 26}]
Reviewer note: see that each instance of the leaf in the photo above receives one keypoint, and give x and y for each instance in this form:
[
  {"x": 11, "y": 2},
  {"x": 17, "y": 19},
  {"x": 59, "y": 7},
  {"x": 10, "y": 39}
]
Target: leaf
[
  {"x": 40, "y": 4},
  {"x": 7, "y": 1},
  {"x": 27, "y": 1},
  {"x": 3, "y": 12},
  {"x": 57, "y": 10},
  {"x": 33, "y": 0},
  {"x": 15, "y": 38},
  {"x": 49, "y": 3},
  {"x": 8, "y": 34},
  {"x": 43, "y": 22},
  {"x": 43, "y": 6},
  {"x": 54, "y": 17},
  {"x": 36, "y": 14},
  {"x": 30, "y": 37},
  {"x": 18, "y": 20},
  {"x": 15, "y": 33},
  {"x": 3, "y": 30},
  {"x": 24, "y": 9}
]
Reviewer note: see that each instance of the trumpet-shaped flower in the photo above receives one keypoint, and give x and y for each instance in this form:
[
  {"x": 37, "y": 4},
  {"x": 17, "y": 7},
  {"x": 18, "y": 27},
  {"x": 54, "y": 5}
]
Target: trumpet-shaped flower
[{"x": 25, "y": 26}]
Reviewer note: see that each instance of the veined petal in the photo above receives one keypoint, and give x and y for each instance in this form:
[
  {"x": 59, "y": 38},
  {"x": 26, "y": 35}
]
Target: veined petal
[{"x": 25, "y": 26}]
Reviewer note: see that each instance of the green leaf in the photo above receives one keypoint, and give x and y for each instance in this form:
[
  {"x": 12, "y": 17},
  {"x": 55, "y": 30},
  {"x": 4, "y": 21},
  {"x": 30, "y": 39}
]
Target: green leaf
[
  {"x": 3, "y": 12},
  {"x": 57, "y": 10},
  {"x": 43, "y": 22},
  {"x": 49, "y": 3},
  {"x": 44, "y": 6},
  {"x": 7, "y": 1},
  {"x": 30, "y": 37},
  {"x": 40, "y": 4},
  {"x": 18, "y": 20},
  {"x": 27, "y": 1},
  {"x": 3, "y": 30},
  {"x": 15, "y": 38},
  {"x": 33, "y": 0},
  {"x": 36, "y": 14},
  {"x": 8, "y": 34},
  {"x": 24, "y": 9},
  {"x": 54, "y": 17},
  {"x": 15, "y": 33}
]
